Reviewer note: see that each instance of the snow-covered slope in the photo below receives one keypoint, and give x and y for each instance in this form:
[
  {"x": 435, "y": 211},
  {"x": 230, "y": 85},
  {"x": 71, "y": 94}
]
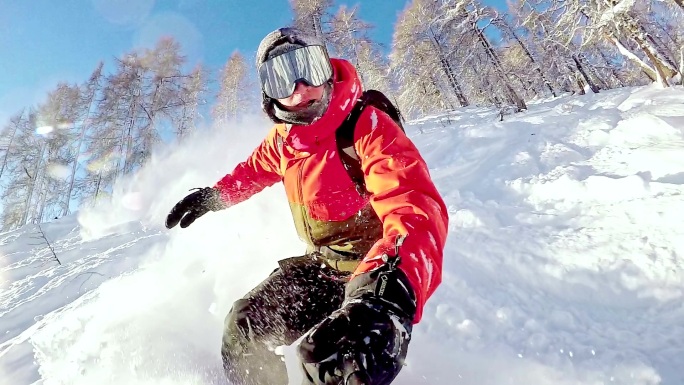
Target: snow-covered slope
[{"x": 564, "y": 263}]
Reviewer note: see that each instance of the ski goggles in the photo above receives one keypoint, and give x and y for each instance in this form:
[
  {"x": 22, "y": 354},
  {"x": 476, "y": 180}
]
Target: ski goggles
[{"x": 280, "y": 74}]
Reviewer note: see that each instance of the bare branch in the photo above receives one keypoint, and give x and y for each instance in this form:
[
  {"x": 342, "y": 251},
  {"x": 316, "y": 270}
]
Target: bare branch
[{"x": 47, "y": 242}]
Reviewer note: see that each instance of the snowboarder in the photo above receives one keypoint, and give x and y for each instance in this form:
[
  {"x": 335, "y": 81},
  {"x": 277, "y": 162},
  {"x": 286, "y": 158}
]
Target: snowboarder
[{"x": 373, "y": 220}]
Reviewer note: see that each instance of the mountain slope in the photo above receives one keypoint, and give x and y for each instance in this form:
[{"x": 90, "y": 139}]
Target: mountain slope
[{"x": 563, "y": 263}]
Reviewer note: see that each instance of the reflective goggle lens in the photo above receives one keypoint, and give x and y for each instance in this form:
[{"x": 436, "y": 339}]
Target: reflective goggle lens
[{"x": 279, "y": 74}]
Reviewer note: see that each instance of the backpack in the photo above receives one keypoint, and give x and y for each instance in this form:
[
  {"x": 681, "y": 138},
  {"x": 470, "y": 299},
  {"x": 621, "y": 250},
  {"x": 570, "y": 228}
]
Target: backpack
[{"x": 344, "y": 135}]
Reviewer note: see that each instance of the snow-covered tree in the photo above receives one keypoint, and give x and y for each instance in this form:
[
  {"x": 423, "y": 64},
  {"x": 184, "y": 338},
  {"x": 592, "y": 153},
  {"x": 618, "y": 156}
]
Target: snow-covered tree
[
  {"x": 563, "y": 56},
  {"x": 628, "y": 24},
  {"x": 519, "y": 57},
  {"x": 468, "y": 18},
  {"x": 423, "y": 62}
]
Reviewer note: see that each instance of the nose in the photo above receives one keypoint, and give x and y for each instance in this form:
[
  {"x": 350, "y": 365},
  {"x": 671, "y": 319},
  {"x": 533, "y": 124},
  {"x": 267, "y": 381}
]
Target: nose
[{"x": 301, "y": 87}]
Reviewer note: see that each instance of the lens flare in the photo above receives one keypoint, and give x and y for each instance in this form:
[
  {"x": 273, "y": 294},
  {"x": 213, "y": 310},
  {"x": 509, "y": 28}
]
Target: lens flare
[
  {"x": 66, "y": 125},
  {"x": 58, "y": 171},
  {"x": 44, "y": 130},
  {"x": 105, "y": 164}
]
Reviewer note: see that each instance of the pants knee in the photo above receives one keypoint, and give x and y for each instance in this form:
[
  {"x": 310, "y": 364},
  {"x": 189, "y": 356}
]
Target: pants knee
[
  {"x": 247, "y": 361},
  {"x": 237, "y": 330}
]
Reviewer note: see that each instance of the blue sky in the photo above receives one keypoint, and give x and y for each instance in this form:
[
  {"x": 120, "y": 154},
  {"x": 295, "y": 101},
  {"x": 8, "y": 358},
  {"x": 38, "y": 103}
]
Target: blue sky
[{"x": 43, "y": 42}]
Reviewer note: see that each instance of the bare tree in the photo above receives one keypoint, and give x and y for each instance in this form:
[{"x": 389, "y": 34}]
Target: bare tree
[
  {"x": 310, "y": 15},
  {"x": 191, "y": 96},
  {"x": 55, "y": 122},
  {"x": 466, "y": 17},
  {"x": 86, "y": 101},
  {"x": 147, "y": 92},
  {"x": 9, "y": 133},
  {"x": 347, "y": 33},
  {"x": 374, "y": 69},
  {"x": 618, "y": 21},
  {"x": 558, "y": 53},
  {"x": 422, "y": 62},
  {"x": 27, "y": 166},
  {"x": 115, "y": 119},
  {"x": 509, "y": 31},
  {"x": 235, "y": 89}
]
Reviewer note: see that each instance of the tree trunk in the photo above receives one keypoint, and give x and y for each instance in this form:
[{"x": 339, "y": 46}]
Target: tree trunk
[
  {"x": 453, "y": 82},
  {"x": 42, "y": 198},
  {"x": 656, "y": 49},
  {"x": 34, "y": 179},
  {"x": 11, "y": 141},
  {"x": 498, "y": 68},
  {"x": 681, "y": 66},
  {"x": 650, "y": 72},
  {"x": 587, "y": 79},
  {"x": 81, "y": 139},
  {"x": 592, "y": 70},
  {"x": 318, "y": 28},
  {"x": 449, "y": 72},
  {"x": 527, "y": 52},
  {"x": 613, "y": 70},
  {"x": 660, "y": 70},
  {"x": 97, "y": 186},
  {"x": 662, "y": 65},
  {"x": 581, "y": 86}
]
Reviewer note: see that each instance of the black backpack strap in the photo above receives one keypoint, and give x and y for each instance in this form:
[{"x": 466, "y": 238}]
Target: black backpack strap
[
  {"x": 345, "y": 134},
  {"x": 344, "y": 137},
  {"x": 378, "y": 100}
]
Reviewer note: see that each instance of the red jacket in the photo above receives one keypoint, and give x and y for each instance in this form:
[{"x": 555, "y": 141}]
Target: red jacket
[{"x": 327, "y": 209}]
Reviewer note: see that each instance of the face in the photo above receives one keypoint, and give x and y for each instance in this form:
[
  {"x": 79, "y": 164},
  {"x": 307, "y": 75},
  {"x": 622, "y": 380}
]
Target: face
[{"x": 304, "y": 95}]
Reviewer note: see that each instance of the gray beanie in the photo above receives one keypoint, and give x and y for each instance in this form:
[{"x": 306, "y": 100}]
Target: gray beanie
[
  {"x": 284, "y": 40},
  {"x": 277, "y": 43}
]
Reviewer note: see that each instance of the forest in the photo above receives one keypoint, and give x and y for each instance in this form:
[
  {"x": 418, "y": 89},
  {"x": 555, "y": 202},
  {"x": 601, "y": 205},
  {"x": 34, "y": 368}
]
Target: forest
[{"x": 71, "y": 149}]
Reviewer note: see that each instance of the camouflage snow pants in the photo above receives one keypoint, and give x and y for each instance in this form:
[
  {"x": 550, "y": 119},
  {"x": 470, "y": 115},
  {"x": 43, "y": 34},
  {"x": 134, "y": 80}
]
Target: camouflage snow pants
[{"x": 294, "y": 298}]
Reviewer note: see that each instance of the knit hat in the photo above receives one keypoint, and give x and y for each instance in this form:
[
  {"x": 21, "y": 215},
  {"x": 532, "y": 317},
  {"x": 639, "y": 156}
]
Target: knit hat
[
  {"x": 284, "y": 40},
  {"x": 276, "y": 43}
]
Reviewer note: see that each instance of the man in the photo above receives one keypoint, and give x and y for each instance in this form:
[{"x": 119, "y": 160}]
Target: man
[{"x": 374, "y": 254}]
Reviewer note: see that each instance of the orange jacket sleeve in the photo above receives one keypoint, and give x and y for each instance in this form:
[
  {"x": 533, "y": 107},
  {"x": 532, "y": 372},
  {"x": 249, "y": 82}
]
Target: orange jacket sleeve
[
  {"x": 260, "y": 170},
  {"x": 405, "y": 199}
]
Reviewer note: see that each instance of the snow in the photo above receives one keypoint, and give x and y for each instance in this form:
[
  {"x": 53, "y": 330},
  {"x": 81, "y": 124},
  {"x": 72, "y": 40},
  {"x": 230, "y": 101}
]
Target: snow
[
  {"x": 563, "y": 263},
  {"x": 374, "y": 120}
]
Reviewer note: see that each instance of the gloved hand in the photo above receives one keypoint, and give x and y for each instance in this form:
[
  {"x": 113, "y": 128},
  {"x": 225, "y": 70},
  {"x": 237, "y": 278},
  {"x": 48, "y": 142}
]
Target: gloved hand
[
  {"x": 365, "y": 341},
  {"x": 194, "y": 206}
]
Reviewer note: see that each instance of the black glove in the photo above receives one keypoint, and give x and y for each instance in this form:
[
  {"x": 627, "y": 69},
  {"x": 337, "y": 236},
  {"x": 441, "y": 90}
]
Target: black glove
[
  {"x": 194, "y": 206},
  {"x": 365, "y": 341}
]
